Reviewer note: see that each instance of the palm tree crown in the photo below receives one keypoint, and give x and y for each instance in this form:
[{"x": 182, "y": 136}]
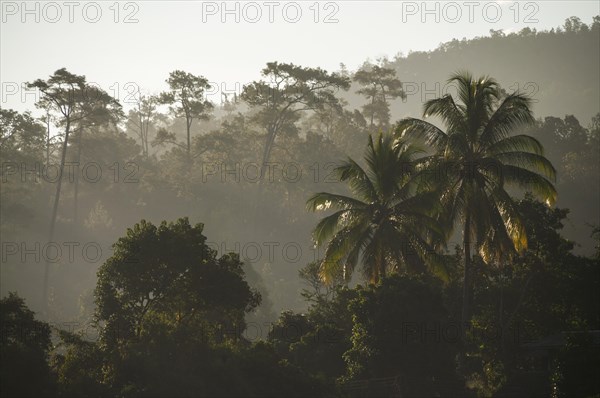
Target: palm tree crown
[
  {"x": 384, "y": 223},
  {"x": 474, "y": 161},
  {"x": 476, "y": 158}
]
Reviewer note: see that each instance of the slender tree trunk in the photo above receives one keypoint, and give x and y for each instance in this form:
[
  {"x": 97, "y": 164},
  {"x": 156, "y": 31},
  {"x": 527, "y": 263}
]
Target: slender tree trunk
[
  {"x": 267, "y": 153},
  {"x": 465, "y": 316},
  {"x": 189, "y": 143},
  {"x": 501, "y": 309},
  {"x": 142, "y": 139},
  {"x": 47, "y": 139},
  {"x": 54, "y": 213},
  {"x": 76, "y": 193},
  {"x": 145, "y": 139},
  {"x": 372, "y": 112},
  {"x": 263, "y": 167},
  {"x": 382, "y": 264}
]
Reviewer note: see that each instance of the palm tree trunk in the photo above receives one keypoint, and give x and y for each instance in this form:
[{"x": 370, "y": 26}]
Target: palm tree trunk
[
  {"x": 465, "y": 316},
  {"x": 501, "y": 309},
  {"x": 381, "y": 262}
]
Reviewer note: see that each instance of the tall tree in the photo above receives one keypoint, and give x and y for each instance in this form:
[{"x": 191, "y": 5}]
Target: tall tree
[
  {"x": 476, "y": 157},
  {"x": 384, "y": 222},
  {"x": 140, "y": 120},
  {"x": 169, "y": 273},
  {"x": 378, "y": 85},
  {"x": 290, "y": 89},
  {"x": 73, "y": 100},
  {"x": 51, "y": 140},
  {"x": 100, "y": 112},
  {"x": 186, "y": 100}
]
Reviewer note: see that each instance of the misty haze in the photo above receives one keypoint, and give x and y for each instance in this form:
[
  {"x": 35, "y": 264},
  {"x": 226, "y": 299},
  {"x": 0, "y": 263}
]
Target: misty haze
[{"x": 329, "y": 198}]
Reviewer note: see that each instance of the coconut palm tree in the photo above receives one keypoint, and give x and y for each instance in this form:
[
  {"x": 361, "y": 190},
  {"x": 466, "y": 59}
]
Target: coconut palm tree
[
  {"x": 383, "y": 224},
  {"x": 475, "y": 160}
]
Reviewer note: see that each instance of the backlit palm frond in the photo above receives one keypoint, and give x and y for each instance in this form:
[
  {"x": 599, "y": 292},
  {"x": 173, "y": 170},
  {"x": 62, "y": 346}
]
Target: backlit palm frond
[
  {"x": 421, "y": 131},
  {"x": 327, "y": 227},
  {"x": 513, "y": 143},
  {"x": 530, "y": 180},
  {"x": 445, "y": 108},
  {"x": 530, "y": 161},
  {"x": 513, "y": 113},
  {"x": 358, "y": 180},
  {"x": 325, "y": 200}
]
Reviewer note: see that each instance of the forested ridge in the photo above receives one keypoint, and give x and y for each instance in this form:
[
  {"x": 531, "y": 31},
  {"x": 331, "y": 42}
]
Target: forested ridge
[{"x": 403, "y": 228}]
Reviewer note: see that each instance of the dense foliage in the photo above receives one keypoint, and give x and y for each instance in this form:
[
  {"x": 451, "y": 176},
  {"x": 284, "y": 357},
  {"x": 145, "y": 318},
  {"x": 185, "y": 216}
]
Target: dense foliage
[{"x": 472, "y": 282}]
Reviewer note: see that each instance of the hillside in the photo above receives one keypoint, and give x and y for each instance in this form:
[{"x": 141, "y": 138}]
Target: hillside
[{"x": 558, "y": 68}]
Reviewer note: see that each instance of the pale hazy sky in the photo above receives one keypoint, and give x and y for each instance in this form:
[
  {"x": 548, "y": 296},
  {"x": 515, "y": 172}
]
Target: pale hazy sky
[{"x": 191, "y": 35}]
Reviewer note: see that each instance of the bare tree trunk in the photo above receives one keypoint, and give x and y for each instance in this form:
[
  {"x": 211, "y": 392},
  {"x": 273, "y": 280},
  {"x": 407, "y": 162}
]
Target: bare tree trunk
[
  {"x": 263, "y": 167},
  {"x": 142, "y": 140},
  {"x": 76, "y": 193},
  {"x": 145, "y": 138},
  {"x": 189, "y": 143},
  {"x": 47, "y": 139},
  {"x": 267, "y": 153},
  {"x": 372, "y": 113},
  {"x": 54, "y": 213}
]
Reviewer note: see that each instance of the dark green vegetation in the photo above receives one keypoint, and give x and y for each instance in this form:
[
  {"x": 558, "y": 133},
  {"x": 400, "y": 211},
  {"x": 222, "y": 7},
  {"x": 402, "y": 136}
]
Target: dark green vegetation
[{"x": 467, "y": 282}]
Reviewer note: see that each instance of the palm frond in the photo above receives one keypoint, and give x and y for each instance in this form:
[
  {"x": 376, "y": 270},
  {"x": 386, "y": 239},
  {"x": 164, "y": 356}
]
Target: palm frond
[
  {"x": 526, "y": 179},
  {"x": 463, "y": 80},
  {"x": 513, "y": 227},
  {"x": 520, "y": 142},
  {"x": 530, "y": 161},
  {"x": 420, "y": 130},
  {"x": 358, "y": 179},
  {"x": 514, "y": 112},
  {"x": 329, "y": 225},
  {"x": 325, "y": 200},
  {"x": 340, "y": 250},
  {"x": 447, "y": 110}
]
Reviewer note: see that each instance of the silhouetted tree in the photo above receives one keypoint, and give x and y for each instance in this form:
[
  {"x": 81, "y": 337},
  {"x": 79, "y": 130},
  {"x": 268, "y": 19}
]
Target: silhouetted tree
[
  {"x": 476, "y": 158},
  {"x": 186, "y": 100},
  {"x": 384, "y": 225}
]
